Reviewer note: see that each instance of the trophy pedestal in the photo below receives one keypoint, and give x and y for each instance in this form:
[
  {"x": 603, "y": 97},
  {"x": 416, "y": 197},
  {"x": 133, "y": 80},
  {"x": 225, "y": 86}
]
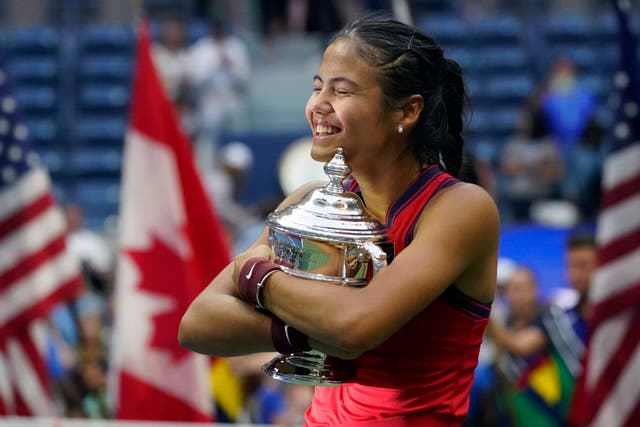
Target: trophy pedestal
[{"x": 307, "y": 368}]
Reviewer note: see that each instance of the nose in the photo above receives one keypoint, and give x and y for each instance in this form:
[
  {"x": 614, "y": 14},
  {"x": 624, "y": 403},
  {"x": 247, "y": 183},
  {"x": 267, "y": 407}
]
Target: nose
[{"x": 319, "y": 103}]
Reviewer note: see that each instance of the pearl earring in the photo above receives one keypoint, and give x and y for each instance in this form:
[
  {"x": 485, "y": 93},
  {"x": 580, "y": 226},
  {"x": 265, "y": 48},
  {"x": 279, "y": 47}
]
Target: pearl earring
[{"x": 400, "y": 128}]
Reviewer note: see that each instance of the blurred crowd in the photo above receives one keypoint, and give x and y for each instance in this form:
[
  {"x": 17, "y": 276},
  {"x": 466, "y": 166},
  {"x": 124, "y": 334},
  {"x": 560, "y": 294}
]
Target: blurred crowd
[{"x": 548, "y": 171}]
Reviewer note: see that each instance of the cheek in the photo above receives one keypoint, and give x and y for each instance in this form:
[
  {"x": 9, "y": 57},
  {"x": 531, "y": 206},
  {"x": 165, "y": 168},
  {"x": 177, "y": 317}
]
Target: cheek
[{"x": 307, "y": 110}]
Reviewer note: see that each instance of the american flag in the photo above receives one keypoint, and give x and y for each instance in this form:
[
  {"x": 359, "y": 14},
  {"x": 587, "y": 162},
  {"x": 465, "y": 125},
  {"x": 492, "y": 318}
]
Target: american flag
[
  {"x": 611, "y": 389},
  {"x": 36, "y": 272}
]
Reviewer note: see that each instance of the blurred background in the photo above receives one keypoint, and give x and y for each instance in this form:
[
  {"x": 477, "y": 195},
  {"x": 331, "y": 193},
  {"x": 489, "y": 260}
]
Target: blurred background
[{"x": 540, "y": 75}]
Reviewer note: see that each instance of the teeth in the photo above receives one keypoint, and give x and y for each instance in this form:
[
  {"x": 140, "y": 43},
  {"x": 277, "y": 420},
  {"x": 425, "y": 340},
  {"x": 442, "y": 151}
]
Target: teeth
[{"x": 326, "y": 130}]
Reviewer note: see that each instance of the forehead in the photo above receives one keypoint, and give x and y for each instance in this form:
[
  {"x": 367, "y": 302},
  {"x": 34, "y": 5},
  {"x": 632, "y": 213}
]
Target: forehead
[{"x": 342, "y": 58}]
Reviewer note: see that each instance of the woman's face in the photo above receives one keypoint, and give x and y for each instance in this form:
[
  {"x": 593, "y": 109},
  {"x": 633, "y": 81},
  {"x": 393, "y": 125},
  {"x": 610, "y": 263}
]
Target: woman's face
[{"x": 346, "y": 107}]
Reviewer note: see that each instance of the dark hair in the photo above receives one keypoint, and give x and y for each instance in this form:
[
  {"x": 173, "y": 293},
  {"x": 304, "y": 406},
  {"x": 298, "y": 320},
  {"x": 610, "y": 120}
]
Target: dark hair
[
  {"x": 580, "y": 240},
  {"x": 410, "y": 63}
]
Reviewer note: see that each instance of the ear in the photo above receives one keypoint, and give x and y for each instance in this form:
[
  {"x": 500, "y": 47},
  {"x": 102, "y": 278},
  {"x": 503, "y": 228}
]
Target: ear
[{"x": 411, "y": 111}]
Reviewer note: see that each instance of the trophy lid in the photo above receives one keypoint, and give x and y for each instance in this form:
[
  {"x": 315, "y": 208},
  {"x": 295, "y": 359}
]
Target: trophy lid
[{"x": 331, "y": 213}]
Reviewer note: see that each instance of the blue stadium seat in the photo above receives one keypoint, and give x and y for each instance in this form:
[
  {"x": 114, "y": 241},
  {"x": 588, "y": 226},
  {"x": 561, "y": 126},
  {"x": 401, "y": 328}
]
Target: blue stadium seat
[
  {"x": 500, "y": 59},
  {"x": 106, "y": 39},
  {"x": 43, "y": 131},
  {"x": 494, "y": 123},
  {"x": 115, "y": 68},
  {"x": 36, "y": 100},
  {"x": 52, "y": 159},
  {"x": 500, "y": 29},
  {"x": 40, "y": 69},
  {"x": 96, "y": 161},
  {"x": 36, "y": 40},
  {"x": 99, "y": 198},
  {"x": 505, "y": 88},
  {"x": 563, "y": 28},
  {"x": 448, "y": 30},
  {"x": 104, "y": 98},
  {"x": 96, "y": 130}
]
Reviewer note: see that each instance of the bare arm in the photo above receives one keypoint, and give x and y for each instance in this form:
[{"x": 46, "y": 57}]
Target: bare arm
[
  {"x": 523, "y": 342},
  {"x": 456, "y": 244},
  {"x": 218, "y": 323}
]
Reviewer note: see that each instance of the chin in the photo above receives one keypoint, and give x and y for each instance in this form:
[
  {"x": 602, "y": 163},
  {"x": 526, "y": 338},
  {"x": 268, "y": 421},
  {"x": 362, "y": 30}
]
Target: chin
[{"x": 322, "y": 154}]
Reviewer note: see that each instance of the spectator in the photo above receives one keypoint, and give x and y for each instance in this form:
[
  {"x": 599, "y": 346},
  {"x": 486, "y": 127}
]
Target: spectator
[
  {"x": 531, "y": 166},
  {"x": 170, "y": 55},
  {"x": 219, "y": 71},
  {"x": 521, "y": 342},
  {"x": 554, "y": 343},
  {"x": 584, "y": 169},
  {"x": 567, "y": 105},
  {"x": 224, "y": 184},
  {"x": 483, "y": 408}
]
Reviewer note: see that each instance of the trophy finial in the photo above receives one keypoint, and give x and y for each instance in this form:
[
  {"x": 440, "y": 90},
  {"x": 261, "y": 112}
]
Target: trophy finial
[{"x": 337, "y": 170}]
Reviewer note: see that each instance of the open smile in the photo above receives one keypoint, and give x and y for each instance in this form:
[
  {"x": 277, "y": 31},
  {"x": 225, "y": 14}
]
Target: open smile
[{"x": 326, "y": 130}]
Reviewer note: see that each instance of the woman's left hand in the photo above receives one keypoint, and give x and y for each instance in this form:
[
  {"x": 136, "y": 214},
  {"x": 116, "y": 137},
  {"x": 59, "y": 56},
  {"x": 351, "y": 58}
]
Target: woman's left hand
[{"x": 260, "y": 251}]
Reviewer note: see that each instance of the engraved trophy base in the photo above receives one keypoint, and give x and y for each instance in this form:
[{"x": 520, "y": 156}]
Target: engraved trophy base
[{"x": 307, "y": 368}]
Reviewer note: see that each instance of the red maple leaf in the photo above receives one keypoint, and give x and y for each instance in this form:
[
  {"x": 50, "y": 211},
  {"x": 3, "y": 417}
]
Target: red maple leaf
[{"x": 165, "y": 273}]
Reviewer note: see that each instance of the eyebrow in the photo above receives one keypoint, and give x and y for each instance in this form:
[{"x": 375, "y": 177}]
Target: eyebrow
[{"x": 337, "y": 80}]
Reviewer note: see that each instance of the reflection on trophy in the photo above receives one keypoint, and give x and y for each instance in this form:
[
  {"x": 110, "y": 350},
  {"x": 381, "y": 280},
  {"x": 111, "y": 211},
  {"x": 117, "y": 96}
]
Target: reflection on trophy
[{"x": 329, "y": 236}]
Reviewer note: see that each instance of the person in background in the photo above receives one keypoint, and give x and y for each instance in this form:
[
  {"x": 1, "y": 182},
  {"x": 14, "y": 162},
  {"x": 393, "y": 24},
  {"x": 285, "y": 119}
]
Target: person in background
[
  {"x": 531, "y": 166},
  {"x": 555, "y": 343},
  {"x": 483, "y": 406},
  {"x": 521, "y": 348},
  {"x": 224, "y": 185},
  {"x": 386, "y": 94},
  {"x": 170, "y": 55},
  {"x": 219, "y": 71},
  {"x": 566, "y": 104},
  {"x": 581, "y": 184}
]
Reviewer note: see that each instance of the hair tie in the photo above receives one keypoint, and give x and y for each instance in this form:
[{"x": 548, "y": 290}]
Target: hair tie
[
  {"x": 411, "y": 39},
  {"x": 441, "y": 161}
]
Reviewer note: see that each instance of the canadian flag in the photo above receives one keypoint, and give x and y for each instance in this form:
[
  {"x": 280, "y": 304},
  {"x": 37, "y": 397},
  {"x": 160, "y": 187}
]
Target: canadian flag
[{"x": 172, "y": 245}]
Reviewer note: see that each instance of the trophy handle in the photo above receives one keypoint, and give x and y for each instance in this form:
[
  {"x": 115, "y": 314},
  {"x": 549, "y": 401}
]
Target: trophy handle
[{"x": 378, "y": 256}]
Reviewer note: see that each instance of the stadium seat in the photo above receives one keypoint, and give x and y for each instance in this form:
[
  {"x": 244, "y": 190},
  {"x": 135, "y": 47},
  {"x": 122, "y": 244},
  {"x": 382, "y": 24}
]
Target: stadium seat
[
  {"x": 38, "y": 69},
  {"x": 44, "y": 131},
  {"x": 448, "y": 30},
  {"x": 52, "y": 159},
  {"x": 496, "y": 59},
  {"x": 96, "y": 161},
  {"x": 106, "y": 39},
  {"x": 104, "y": 98},
  {"x": 96, "y": 130},
  {"x": 503, "y": 29},
  {"x": 99, "y": 199},
  {"x": 113, "y": 68},
  {"x": 36, "y": 100},
  {"x": 36, "y": 40}
]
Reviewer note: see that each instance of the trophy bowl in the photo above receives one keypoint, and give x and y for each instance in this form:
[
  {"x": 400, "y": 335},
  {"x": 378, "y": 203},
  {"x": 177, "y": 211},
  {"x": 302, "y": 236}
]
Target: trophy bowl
[{"x": 328, "y": 230}]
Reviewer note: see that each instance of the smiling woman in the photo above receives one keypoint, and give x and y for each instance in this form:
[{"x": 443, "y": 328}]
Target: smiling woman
[{"x": 387, "y": 95}]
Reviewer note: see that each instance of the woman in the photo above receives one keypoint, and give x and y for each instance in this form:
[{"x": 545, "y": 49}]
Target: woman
[{"x": 385, "y": 93}]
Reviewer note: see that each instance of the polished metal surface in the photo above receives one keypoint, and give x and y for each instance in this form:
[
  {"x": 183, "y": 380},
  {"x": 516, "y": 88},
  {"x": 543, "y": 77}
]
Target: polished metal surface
[{"x": 329, "y": 236}]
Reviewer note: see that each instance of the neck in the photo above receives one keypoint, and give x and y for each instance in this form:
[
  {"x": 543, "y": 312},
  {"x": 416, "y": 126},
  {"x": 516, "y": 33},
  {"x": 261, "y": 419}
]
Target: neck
[{"x": 382, "y": 184}]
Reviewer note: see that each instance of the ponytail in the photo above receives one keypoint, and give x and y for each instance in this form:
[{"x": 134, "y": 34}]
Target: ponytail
[{"x": 453, "y": 97}]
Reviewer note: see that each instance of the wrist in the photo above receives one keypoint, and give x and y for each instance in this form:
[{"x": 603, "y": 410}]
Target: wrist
[
  {"x": 287, "y": 339},
  {"x": 252, "y": 280}
]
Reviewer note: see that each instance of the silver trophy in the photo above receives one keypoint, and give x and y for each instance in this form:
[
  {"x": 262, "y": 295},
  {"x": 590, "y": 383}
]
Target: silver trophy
[{"x": 329, "y": 229}]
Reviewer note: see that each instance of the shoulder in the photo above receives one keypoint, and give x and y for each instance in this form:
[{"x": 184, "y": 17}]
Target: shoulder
[
  {"x": 464, "y": 202},
  {"x": 463, "y": 215}
]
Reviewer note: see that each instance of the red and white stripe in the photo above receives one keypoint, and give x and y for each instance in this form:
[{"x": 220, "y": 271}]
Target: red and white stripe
[
  {"x": 611, "y": 378},
  {"x": 35, "y": 274}
]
